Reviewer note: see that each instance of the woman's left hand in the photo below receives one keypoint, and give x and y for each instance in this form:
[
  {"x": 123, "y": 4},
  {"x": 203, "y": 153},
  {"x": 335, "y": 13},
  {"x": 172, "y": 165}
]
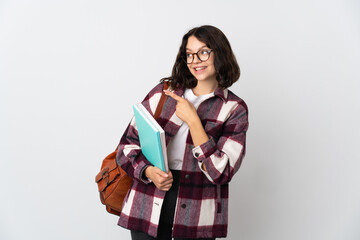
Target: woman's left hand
[{"x": 185, "y": 110}]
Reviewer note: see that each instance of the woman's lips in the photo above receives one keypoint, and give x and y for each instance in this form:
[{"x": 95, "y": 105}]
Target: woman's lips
[{"x": 199, "y": 69}]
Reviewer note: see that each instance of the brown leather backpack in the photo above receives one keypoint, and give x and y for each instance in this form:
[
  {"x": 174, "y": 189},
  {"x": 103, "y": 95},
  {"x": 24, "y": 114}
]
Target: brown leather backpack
[{"x": 112, "y": 181}]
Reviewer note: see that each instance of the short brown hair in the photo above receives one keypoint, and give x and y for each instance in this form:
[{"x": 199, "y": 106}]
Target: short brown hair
[{"x": 226, "y": 66}]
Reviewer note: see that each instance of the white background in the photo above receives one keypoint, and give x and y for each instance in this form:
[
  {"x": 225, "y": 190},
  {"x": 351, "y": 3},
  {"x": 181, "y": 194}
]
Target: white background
[{"x": 71, "y": 70}]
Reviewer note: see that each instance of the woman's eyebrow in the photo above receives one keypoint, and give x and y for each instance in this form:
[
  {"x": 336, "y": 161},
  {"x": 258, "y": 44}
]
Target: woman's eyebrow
[{"x": 198, "y": 49}]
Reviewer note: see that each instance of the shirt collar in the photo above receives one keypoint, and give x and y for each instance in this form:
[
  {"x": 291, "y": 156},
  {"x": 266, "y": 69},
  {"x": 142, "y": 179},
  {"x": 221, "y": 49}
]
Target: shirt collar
[{"x": 222, "y": 93}]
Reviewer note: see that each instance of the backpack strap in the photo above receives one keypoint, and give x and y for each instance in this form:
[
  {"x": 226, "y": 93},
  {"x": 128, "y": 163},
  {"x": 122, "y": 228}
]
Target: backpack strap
[{"x": 161, "y": 102}]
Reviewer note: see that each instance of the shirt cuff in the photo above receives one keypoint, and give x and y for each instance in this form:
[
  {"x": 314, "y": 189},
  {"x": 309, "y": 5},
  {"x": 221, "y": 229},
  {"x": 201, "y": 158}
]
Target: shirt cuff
[
  {"x": 144, "y": 178},
  {"x": 139, "y": 171},
  {"x": 204, "y": 150},
  {"x": 206, "y": 174}
]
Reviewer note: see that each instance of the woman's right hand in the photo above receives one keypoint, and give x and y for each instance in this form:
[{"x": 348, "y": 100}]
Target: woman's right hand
[{"x": 162, "y": 180}]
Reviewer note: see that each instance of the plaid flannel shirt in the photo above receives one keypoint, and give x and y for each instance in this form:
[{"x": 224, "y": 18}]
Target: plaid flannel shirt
[{"x": 202, "y": 203}]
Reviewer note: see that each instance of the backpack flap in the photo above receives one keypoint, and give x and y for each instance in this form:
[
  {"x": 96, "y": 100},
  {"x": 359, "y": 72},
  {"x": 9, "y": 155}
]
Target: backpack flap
[{"x": 107, "y": 175}]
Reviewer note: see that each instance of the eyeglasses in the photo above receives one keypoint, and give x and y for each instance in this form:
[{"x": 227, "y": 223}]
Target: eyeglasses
[{"x": 203, "y": 55}]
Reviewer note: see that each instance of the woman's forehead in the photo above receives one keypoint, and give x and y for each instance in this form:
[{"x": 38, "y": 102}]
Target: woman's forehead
[{"x": 194, "y": 44}]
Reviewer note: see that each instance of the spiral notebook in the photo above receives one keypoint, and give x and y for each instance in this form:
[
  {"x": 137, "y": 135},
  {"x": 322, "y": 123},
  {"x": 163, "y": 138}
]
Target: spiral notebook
[{"x": 152, "y": 137}]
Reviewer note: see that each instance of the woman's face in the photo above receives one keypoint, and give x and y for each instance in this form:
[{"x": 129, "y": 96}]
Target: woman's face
[{"x": 201, "y": 70}]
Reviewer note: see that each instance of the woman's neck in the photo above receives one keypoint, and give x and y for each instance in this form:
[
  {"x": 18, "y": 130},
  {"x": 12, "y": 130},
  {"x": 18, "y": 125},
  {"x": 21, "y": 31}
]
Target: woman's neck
[{"x": 203, "y": 87}]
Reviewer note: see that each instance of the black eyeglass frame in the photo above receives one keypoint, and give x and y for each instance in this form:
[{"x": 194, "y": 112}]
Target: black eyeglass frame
[{"x": 193, "y": 56}]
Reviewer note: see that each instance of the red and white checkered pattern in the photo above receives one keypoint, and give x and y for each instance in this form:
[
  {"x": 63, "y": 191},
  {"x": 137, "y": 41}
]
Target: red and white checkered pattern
[{"x": 202, "y": 204}]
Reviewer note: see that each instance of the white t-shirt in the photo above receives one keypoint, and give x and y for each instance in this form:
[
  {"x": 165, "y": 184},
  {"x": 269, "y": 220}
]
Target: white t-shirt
[{"x": 176, "y": 147}]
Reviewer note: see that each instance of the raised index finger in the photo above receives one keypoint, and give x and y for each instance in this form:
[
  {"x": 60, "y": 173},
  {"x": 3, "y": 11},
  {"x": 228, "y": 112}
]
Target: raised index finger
[{"x": 173, "y": 95}]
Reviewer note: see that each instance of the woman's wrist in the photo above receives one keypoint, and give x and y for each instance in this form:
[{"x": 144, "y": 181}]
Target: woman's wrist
[
  {"x": 195, "y": 122},
  {"x": 146, "y": 172},
  {"x": 197, "y": 132}
]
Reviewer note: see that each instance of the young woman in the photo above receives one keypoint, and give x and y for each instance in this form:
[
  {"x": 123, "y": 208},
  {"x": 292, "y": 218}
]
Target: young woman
[{"x": 205, "y": 125}]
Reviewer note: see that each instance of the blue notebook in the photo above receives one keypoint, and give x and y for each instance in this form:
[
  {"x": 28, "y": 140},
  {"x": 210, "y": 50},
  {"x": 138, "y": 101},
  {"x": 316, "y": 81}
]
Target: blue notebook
[{"x": 152, "y": 138}]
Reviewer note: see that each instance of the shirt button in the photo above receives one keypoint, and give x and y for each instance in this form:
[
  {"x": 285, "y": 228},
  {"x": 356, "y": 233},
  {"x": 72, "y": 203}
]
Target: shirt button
[
  {"x": 197, "y": 154},
  {"x": 187, "y": 176},
  {"x": 183, "y": 205}
]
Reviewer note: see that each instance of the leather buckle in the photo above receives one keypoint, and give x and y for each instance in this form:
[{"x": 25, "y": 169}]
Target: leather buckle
[{"x": 105, "y": 175}]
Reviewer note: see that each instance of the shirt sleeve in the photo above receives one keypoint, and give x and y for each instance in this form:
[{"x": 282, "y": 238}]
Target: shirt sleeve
[{"x": 222, "y": 159}]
